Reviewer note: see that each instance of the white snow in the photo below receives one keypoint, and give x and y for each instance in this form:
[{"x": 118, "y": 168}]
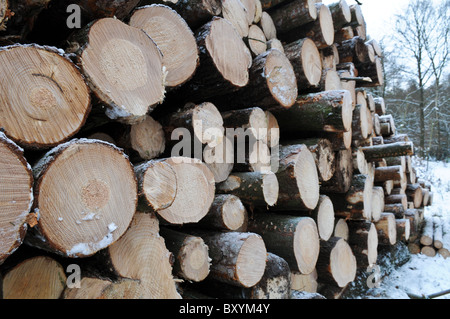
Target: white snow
[{"x": 423, "y": 275}]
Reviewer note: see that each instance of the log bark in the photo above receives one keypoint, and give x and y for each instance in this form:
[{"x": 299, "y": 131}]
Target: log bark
[
  {"x": 177, "y": 42},
  {"x": 388, "y": 150},
  {"x": 329, "y": 111},
  {"x": 38, "y": 277},
  {"x": 336, "y": 263},
  {"x": 397, "y": 199},
  {"x": 363, "y": 239},
  {"x": 341, "y": 14},
  {"x": 356, "y": 51},
  {"x": 16, "y": 197},
  {"x": 298, "y": 179},
  {"x": 190, "y": 254},
  {"x": 386, "y": 229},
  {"x": 227, "y": 213},
  {"x": 43, "y": 104},
  {"x": 341, "y": 180},
  {"x": 295, "y": 239},
  {"x": 180, "y": 189},
  {"x": 380, "y": 106},
  {"x": 372, "y": 70},
  {"x": 293, "y": 14},
  {"x": 123, "y": 67},
  {"x": 394, "y": 172},
  {"x": 414, "y": 194},
  {"x": 99, "y": 200},
  {"x": 252, "y": 188}
]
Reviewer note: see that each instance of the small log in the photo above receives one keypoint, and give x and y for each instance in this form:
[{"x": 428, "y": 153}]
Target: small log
[
  {"x": 304, "y": 282},
  {"x": 38, "y": 277},
  {"x": 219, "y": 158},
  {"x": 363, "y": 239},
  {"x": 180, "y": 189},
  {"x": 293, "y": 14},
  {"x": 102, "y": 198},
  {"x": 397, "y": 138},
  {"x": 361, "y": 128},
  {"x": 372, "y": 70},
  {"x": 428, "y": 251},
  {"x": 252, "y": 188},
  {"x": 324, "y": 217},
  {"x": 235, "y": 12},
  {"x": 256, "y": 40},
  {"x": 414, "y": 221},
  {"x": 341, "y": 14},
  {"x": 16, "y": 181},
  {"x": 357, "y": 15},
  {"x": 342, "y": 178},
  {"x": 380, "y": 106},
  {"x": 397, "y": 209},
  {"x": 273, "y": 130},
  {"x": 130, "y": 81},
  {"x": 227, "y": 213},
  {"x": 397, "y": 199},
  {"x": 394, "y": 172},
  {"x": 341, "y": 228},
  {"x": 403, "y": 229},
  {"x": 267, "y": 25},
  {"x": 355, "y": 50},
  {"x": 386, "y": 229},
  {"x": 378, "y": 205},
  {"x": 414, "y": 194},
  {"x": 388, "y": 150},
  {"x": 251, "y": 121},
  {"x": 336, "y": 263},
  {"x": 295, "y": 239},
  {"x": 177, "y": 43},
  {"x": 43, "y": 104},
  {"x": 190, "y": 254}
]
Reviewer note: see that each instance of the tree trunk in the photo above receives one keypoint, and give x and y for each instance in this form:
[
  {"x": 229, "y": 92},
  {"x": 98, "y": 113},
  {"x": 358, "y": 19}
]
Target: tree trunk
[
  {"x": 16, "y": 182},
  {"x": 180, "y": 189},
  {"x": 43, "y": 104},
  {"x": 295, "y": 239},
  {"x": 177, "y": 42},
  {"x": 355, "y": 50},
  {"x": 99, "y": 198}
]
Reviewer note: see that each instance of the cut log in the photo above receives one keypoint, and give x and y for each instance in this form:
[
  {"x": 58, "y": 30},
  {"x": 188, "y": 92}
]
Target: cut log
[
  {"x": 56, "y": 103},
  {"x": 330, "y": 57},
  {"x": 373, "y": 70},
  {"x": 323, "y": 215},
  {"x": 273, "y": 130},
  {"x": 250, "y": 10},
  {"x": 324, "y": 156},
  {"x": 173, "y": 37},
  {"x": 336, "y": 263},
  {"x": 267, "y": 25},
  {"x": 339, "y": 140},
  {"x": 251, "y": 122},
  {"x": 256, "y": 40},
  {"x": 361, "y": 128},
  {"x": 252, "y": 157},
  {"x": 341, "y": 14},
  {"x": 38, "y": 277},
  {"x": 99, "y": 199},
  {"x": 426, "y": 237},
  {"x": 388, "y": 150},
  {"x": 293, "y": 14},
  {"x": 394, "y": 172},
  {"x": 179, "y": 189},
  {"x": 363, "y": 239},
  {"x": 397, "y": 138},
  {"x": 415, "y": 222},
  {"x": 275, "y": 44},
  {"x": 141, "y": 254},
  {"x": 414, "y": 194},
  {"x": 123, "y": 67},
  {"x": 237, "y": 258},
  {"x": 386, "y": 229},
  {"x": 272, "y": 84},
  {"x": 190, "y": 254},
  {"x": 377, "y": 203},
  {"x": 295, "y": 239},
  {"x": 403, "y": 229},
  {"x": 380, "y": 106},
  {"x": 321, "y": 30},
  {"x": 258, "y": 11},
  {"x": 329, "y": 111},
  {"x": 346, "y": 33},
  {"x": 224, "y": 62},
  {"x": 305, "y": 59},
  {"x": 16, "y": 182},
  {"x": 341, "y": 228},
  {"x": 227, "y": 213},
  {"x": 252, "y": 188},
  {"x": 397, "y": 209},
  {"x": 428, "y": 251},
  {"x": 220, "y": 159},
  {"x": 235, "y": 12},
  {"x": 355, "y": 50},
  {"x": 298, "y": 179},
  {"x": 376, "y": 47},
  {"x": 342, "y": 178},
  {"x": 397, "y": 199}
]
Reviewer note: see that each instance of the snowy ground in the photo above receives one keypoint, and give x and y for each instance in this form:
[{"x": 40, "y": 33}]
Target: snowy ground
[{"x": 423, "y": 275}]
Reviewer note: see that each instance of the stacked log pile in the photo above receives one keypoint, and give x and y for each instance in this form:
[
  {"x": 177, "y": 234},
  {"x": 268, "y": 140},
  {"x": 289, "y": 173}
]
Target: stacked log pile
[{"x": 186, "y": 149}]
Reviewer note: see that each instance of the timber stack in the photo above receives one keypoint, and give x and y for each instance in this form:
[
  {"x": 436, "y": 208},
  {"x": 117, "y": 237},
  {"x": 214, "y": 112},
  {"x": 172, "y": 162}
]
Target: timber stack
[{"x": 191, "y": 149}]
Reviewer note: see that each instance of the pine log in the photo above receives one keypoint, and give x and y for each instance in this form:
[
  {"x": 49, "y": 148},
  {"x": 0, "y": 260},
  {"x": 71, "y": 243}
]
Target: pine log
[
  {"x": 339, "y": 140},
  {"x": 252, "y": 188},
  {"x": 235, "y": 12},
  {"x": 305, "y": 59},
  {"x": 141, "y": 254},
  {"x": 403, "y": 229},
  {"x": 372, "y": 70},
  {"x": 397, "y": 138},
  {"x": 267, "y": 4},
  {"x": 376, "y": 47},
  {"x": 361, "y": 126},
  {"x": 342, "y": 178},
  {"x": 355, "y": 50},
  {"x": 256, "y": 40},
  {"x": 227, "y": 213},
  {"x": 363, "y": 239},
  {"x": 397, "y": 199},
  {"x": 258, "y": 11},
  {"x": 275, "y": 44},
  {"x": 394, "y": 172},
  {"x": 293, "y": 14},
  {"x": 177, "y": 42},
  {"x": 304, "y": 282},
  {"x": 341, "y": 228},
  {"x": 250, "y": 9},
  {"x": 254, "y": 156},
  {"x": 56, "y": 103},
  {"x": 179, "y": 189},
  {"x": 336, "y": 263},
  {"x": 324, "y": 217},
  {"x": 237, "y": 258},
  {"x": 428, "y": 251},
  {"x": 16, "y": 196},
  {"x": 378, "y": 205},
  {"x": 357, "y": 15},
  {"x": 273, "y": 130},
  {"x": 386, "y": 229},
  {"x": 224, "y": 62},
  {"x": 190, "y": 254},
  {"x": 425, "y": 196},
  {"x": 267, "y": 25},
  {"x": 321, "y": 30},
  {"x": 377, "y": 140},
  {"x": 380, "y": 106},
  {"x": 360, "y": 165},
  {"x": 219, "y": 159},
  {"x": 388, "y": 150},
  {"x": 38, "y": 277},
  {"x": 414, "y": 221},
  {"x": 298, "y": 179},
  {"x": 293, "y": 238},
  {"x": 343, "y": 34},
  {"x": 397, "y": 209},
  {"x": 100, "y": 198},
  {"x": 330, "y": 57},
  {"x": 390, "y": 120},
  {"x": 341, "y": 14},
  {"x": 251, "y": 121},
  {"x": 414, "y": 194},
  {"x": 329, "y": 111},
  {"x": 272, "y": 84}
]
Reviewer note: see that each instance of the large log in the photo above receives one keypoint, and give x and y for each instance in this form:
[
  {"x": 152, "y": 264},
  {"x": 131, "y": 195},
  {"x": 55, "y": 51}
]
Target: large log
[
  {"x": 173, "y": 37},
  {"x": 43, "y": 103},
  {"x": 16, "y": 182},
  {"x": 179, "y": 189},
  {"x": 293, "y": 238},
  {"x": 99, "y": 199}
]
